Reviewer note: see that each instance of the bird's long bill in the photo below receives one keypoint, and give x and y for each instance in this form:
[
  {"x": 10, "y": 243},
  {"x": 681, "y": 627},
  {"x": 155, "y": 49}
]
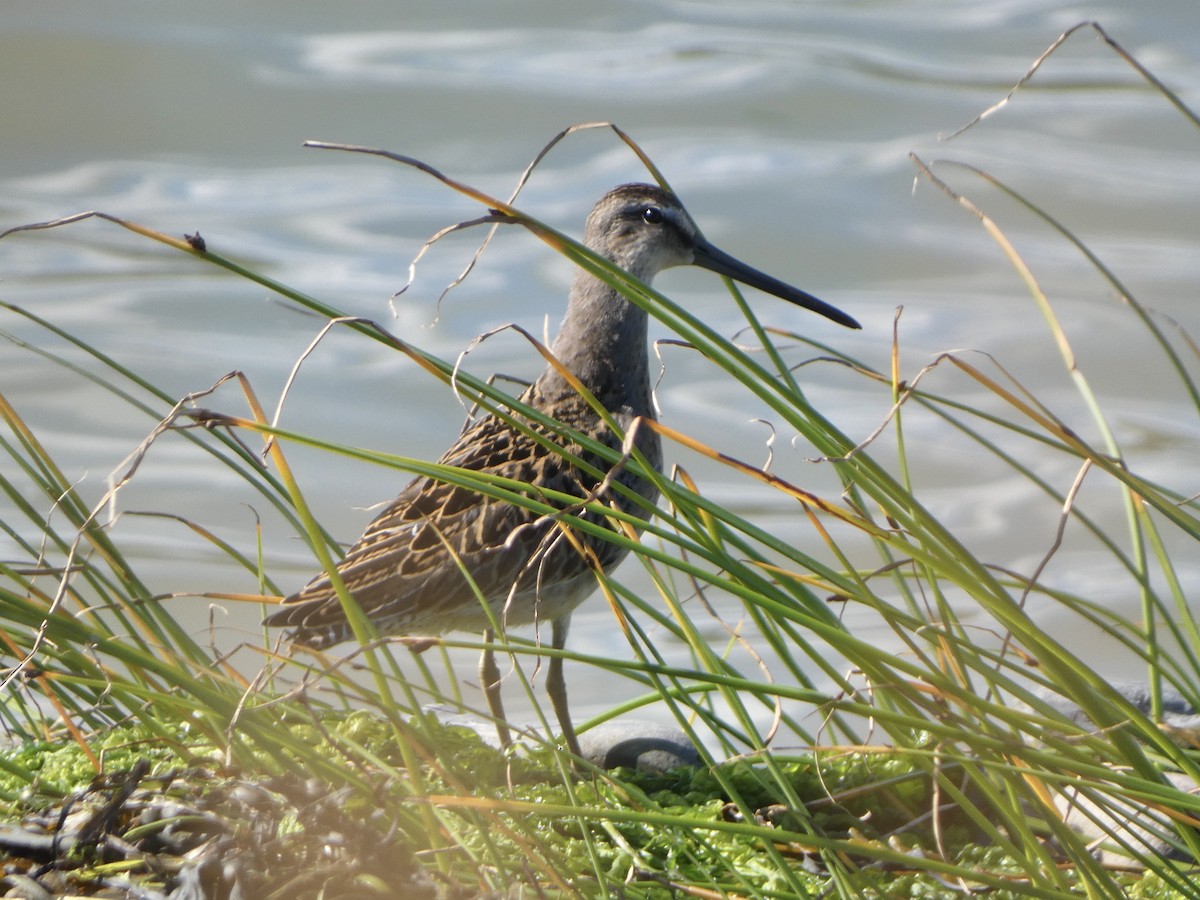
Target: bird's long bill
[{"x": 709, "y": 257}]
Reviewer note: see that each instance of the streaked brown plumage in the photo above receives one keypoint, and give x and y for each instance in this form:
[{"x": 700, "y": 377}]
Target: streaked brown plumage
[{"x": 401, "y": 572}]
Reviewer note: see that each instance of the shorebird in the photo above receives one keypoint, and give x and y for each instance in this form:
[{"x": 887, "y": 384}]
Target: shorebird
[{"x": 422, "y": 565}]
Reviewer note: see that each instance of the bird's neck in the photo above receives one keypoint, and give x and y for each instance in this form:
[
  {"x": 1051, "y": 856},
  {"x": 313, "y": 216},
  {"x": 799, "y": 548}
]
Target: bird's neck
[{"x": 602, "y": 342}]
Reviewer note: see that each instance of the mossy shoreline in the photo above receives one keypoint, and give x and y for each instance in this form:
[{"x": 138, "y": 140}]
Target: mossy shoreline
[{"x": 170, "y": 819}]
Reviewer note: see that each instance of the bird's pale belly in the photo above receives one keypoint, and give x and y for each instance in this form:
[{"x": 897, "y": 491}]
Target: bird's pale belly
[{"x": 533, "y": 606}]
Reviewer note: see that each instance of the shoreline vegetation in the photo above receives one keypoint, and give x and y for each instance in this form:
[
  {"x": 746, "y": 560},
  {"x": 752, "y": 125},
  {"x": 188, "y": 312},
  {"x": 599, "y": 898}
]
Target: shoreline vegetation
[{"x": 143, "y": 763}]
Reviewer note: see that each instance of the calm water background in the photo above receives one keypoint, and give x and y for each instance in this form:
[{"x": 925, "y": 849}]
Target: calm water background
[{"x": 785, "y": 126}]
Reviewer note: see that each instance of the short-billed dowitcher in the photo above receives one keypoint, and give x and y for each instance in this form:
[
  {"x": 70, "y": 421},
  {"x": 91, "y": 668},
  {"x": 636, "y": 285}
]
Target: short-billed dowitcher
[{"x": 409, "y": 570}]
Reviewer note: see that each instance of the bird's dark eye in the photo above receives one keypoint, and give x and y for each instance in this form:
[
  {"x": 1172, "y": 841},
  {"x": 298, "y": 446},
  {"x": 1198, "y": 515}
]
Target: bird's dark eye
[{"x": 652, "y": 215}]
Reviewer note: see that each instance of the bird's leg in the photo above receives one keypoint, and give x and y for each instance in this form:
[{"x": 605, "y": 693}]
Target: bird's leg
[
  {"x": 556, "y": 685},
  {"x": 489, "y": 677}
]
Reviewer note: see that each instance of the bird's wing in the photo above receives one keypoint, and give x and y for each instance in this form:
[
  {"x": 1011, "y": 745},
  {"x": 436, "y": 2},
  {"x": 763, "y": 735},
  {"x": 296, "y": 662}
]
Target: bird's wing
[{"x": 402, "y": 571}]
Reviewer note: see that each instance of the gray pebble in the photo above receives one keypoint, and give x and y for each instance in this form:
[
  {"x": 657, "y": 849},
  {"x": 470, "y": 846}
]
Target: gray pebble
[{"x": 637, "y": 744}]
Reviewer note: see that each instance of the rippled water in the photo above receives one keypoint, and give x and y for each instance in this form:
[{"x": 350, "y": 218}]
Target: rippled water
[{"x": 785, "y": 126}]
